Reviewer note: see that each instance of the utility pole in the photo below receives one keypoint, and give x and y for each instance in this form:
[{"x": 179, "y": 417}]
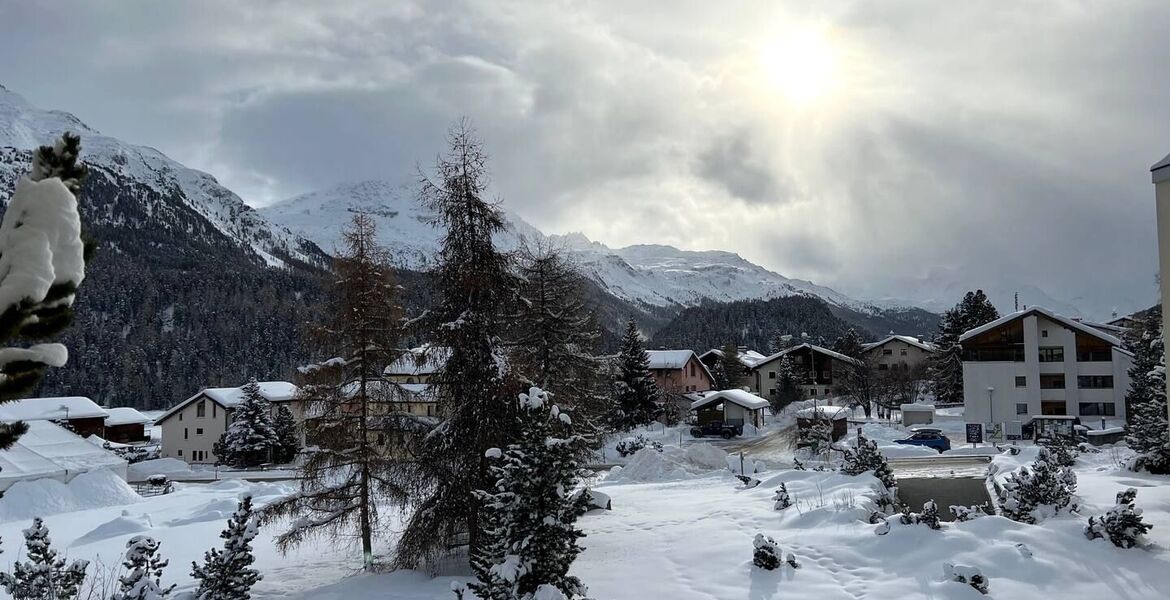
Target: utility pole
[{"x": 1160, "y": 175}]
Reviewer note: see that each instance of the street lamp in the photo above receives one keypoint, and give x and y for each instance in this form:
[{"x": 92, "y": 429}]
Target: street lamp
[{"x": 991, "y": 406}]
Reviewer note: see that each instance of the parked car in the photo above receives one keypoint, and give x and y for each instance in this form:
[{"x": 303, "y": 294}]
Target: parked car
[
  {"x": 931, "y": 438},
  {"x": 717, "y": 428}
]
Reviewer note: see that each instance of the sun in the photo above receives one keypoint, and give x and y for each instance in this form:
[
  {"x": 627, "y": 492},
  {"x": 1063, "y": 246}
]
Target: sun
[{"x": 801, "y": 66}]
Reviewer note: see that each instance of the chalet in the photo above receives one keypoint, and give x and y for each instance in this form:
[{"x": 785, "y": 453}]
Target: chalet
[
  {"x": 747, "y": 358},
  {"x": 679, "y": 371},
  {"x": 815, "y": 368},
  {"x": 77, "y": 413},
  {"x": 125, "y": 426},
  {"x": 899, "y": 352},
  {"x": 191, "y": 428},
  {"x": 418, "y": 365},
  {"x": 733, "y": 407},
  {"x": 1036, "y": 362}
]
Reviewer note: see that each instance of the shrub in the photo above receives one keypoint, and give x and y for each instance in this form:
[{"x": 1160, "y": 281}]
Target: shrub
[
  {"x": 929, "y": 516},
  {"x": 1122, "y": 524},
  {"x": 968, "y": 575},
  {"x": 866, "y": 457},
  {"x": 967, "y": 513},
  {"x": 632, "y": 445},
  {"x": 1032, "y": 492},
  {"x": 767, "y": 553},
  {"x": 782, "y": 499}
]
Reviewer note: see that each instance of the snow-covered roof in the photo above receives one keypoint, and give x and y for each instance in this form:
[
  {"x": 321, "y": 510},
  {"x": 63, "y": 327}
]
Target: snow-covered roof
[
  {"x": 833, "y": 413},
  {"x": 384, "y": 390},
  {"x": 42, "y": 409},
  {"x": 669, "y": 359},
  {"x": 49, "y": 450},
  {"x": 1159, "y": 172},
  {"x": 1067, "y": 322},
  {"x": 229, "y": 397},
  {"x": 913, "y": 341},
  {"x": 125, "y": 416},
  {"x": 814, "y": 348},
  {"x": 749, "y": 358},
  {"x": 743, "y": 398},
  {"x": 424, "y": 360},
  {"x": 916, "y": 408}
]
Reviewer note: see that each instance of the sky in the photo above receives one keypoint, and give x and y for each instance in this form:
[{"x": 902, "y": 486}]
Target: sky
[{"x": 887, "y": 149}]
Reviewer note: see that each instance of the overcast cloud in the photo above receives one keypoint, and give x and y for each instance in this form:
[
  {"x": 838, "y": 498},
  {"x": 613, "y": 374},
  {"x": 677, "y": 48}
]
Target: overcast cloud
[{"x": 1003, "y": 141}]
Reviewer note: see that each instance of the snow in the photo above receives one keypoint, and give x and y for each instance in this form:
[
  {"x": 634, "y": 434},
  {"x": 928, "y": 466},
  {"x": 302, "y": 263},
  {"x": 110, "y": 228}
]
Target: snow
[
  {"x": 835, "y": 413},
  {"x": 669, "y": 359},
  {"x": 49, "y": 451},
  {"x": 41, "y": 409},
  {"x": 814, "y": 348},
  {"x": 170, "y": 467},
  {"x": 743, "y": 398},
  {"x": 1067, "y": 322},
  {"x": 125, "y": 416},
  {"x": 424, "y": 360},
  {"x": 45, "y": 497},
  {"x": 913, "y": 341},
  {"x": 672, "y": 464},
  {"x": 916, "y": 408},
  {"x": 40, "y": 241},
  {"x": 230, "y": 397}
]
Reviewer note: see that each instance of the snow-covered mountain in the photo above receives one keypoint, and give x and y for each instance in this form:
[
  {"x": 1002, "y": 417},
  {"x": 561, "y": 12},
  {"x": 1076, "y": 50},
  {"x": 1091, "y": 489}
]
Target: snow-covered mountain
[
  {"x": 942, "y": 288},
  {"x": 24, "y": 127},
  {"x": 649, "y": 274}
]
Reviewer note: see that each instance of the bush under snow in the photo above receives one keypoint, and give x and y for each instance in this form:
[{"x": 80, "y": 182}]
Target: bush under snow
[
  {"x": 968, "y": 575},
  {"x": 1122, "y": 524}
]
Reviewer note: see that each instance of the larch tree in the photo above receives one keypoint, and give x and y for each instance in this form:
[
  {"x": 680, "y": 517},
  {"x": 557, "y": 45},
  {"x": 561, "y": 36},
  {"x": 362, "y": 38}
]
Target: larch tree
[
  {"x": 345, "y": 471},
  {"x": 1145, "y": 400},
  {"x": 945, "y": 368},
  {"x": 635, "y": 390},
  {"x": 473, "y": 387},
  {"x": 42, "y": 262}
]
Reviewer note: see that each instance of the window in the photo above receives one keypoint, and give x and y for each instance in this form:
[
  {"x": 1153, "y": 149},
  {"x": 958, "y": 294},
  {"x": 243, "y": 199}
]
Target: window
[
  {"x": 180, "y": 451},
  {"x": 1052, "y": 354},
  {"x": 1095, "y": 382},
  {"x": 771, "y": 374},
  {"x": 883, "y": 367},
  {"x": 903, "y": 352},
  {"x": 430, "y": 410},
  {"x": 1043, "y": 333},
  {"x": 180, "y": 416},
  {"x": 1095, "y": 355},
  {"x": 826, "y": 392},
  {"x": 214, "y": 411},
  {"x": 1098, "y": 409},
  {"x": 201, "y": 409},
  {"x": 692, "y": 369},
  {"x": 198, "y": 431},
  {"x": 1052, "y": 382},
  {"x": 185, "y": 436},
  {"x": 1022, "y": 408},
  {"x": 1056, "y": 407},
  {"x": 1021, "y": 381},
  {"x": 887, "y": 351}
]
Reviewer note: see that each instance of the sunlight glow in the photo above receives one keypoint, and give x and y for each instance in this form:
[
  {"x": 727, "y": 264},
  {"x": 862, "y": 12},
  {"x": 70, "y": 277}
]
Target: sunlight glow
[{"x": 801, "y": 66}]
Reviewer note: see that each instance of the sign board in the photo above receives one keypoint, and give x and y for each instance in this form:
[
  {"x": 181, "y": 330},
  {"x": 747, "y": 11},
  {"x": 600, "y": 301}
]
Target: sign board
[
  {"x": 995, "y": 432},
  {"x": 974, "y": 433}
]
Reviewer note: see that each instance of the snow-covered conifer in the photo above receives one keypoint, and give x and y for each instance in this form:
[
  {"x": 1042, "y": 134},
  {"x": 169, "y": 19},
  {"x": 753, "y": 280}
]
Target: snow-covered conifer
[
  {"x": 227, "y": 574},
  {"x": 730, "y": 367},
  {"x": 250, "y": 440},
  {"x": 781, "y": 498},
  {"x": 818, "y": 437},
  {"x": 529, "y": 515},
  {"x": 1122, "y": 524},
  {"x": 946, "y": 366},
  {"x": 42, "y": 262},
  {"x": 288, "y": 439},
  {"x": 44, "y": 575},
  {"x": 635, "y": 391},
  {"x": 1042, "y": 490},
  {"x": 787, "y": 385},
  {"x": 1149, "y": 432},
  {"x": 766, "y": 552},
  {"x": 867, "y": 457},
  {"x": 971, "y": 576},
  {"x": 143, "y": 572}
]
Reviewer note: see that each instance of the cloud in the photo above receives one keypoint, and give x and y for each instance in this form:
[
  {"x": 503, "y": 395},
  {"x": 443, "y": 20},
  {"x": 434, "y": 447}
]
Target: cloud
[{"x": 983, "y": 140}]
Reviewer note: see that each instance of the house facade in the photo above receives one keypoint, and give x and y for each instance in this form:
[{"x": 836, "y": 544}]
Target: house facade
[
  {"x": 126, "y": 426},
  {"x": 1035, "y": 362},
  {"x": 417, "y": 366},
  {"x": 899, "y": 352},
  {"x": 815, "y": 368},
  {"x": 747, "y": 358},
  {"x": 679, "y": 371},
  {"x": 191, "y": 428}
]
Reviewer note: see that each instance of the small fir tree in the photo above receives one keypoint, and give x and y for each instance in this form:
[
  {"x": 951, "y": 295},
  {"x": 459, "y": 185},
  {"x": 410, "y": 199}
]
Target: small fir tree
[
  {"x": 288, "y": 439},
  {"x": 251, "y": 438},
  {"x": 781, "y": 498},
  {"x": 731, "y": 367},
  {"x": 787, "y": 386},
  {"x": 1030, "y": 494},
  {"x": 1122, "y": 524},
  {"x": 227, "y": 574},
  {"x": 529, "y": 515},
  {"x": 766, "y": 553},
  {"x": 865, "y": 458},
  {"x": 1145, "y": 400},
  {"x": 635, "y": 391},
  {"x": 143, "y": 568},
  {"x": 44, "y": 576}
]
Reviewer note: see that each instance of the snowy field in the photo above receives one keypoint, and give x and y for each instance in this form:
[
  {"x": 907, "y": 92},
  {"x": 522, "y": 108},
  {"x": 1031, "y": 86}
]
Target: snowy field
[{"x": 681, "y": 527}]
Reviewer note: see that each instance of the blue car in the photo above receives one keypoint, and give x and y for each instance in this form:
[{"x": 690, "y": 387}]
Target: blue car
[{"x": 931, "y": 438}]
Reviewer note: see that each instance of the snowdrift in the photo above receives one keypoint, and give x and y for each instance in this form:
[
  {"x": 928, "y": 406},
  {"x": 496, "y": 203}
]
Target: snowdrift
[
  {"x": 672, "y": 464},
  {"x": 41, "y": 497}
]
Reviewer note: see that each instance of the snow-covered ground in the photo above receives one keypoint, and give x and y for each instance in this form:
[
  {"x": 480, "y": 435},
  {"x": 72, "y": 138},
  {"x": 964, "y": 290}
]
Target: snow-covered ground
[{"x": 688, "y": 534}]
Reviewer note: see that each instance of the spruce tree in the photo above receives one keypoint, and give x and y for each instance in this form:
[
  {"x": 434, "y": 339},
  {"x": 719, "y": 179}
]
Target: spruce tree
[
  {"x": 473, "y": 389},
  {"x": 44, "y": 575},
  {"x": 1040, "y": 490},
  {"x": 553, "y": 334},
  {"x": 529, "y": 514},
  {"x": 143, "y": 568},
  {"x": 787, "y": 386},
  {"x": 250, "y": 440},
  {"x": 865, "y": 458},
  {"x": 731, "y": 367},
  {"x": 1145, "y": 400},
  {"x": 288, "y": 439},
  {"x": 945, "y": 370},
  {"x": 349, "y": 406},
  {"x": 37, "y": 287},
  {"x": 1122, "y": 524},
  {"x": 227, "y": 574},
  {"x": 635, "y": 390}
]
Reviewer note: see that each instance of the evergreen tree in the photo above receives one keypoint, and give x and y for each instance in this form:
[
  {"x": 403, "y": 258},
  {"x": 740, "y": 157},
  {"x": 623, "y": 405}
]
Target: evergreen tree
[
  {"x": 1145, "y": 400},
  {"x": 731, "y": 367},
  {"x": 349, "y": 405},
  {"x": 1031, "y": 494},
  {"x": 42, "y": 261},
  {"x": 44, "y": 576},
  {"x": 554, "y": 335},
  {"x": 866, "y": 457},
  {"x": 143, "y": 568},
  {"x": 1122, "y": 524},
  {"x": 765, "y": 553},
  {"x": 288, "y": 439},
  {"x": 635, "y": 390},
  {"x": 227, "y": 574},
  {"x": 946, "y": 365},
  {"x": 250, "y": 440},
  {"x": 473, "y": 388},
  {"x": 529, "y": 514},
  {"x": 787, "y": 386}
]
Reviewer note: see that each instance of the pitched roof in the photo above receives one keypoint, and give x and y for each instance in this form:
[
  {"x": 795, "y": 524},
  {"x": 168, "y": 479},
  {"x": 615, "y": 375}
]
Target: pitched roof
[
  {"x": 749, "y": 358},
  {"x": 814, "y": 348},
  {"x": 44, "y": 409},
  {"x": 229, "y": 397},
  {"x": 125, "y": 416},
  {"x": 1067, "y": 322},
  {"x": 913, "y": 341},
  {"x": 424, "y": 360},
  {"x": 49, "y": 450},
  {"x": 743, "y": 398},
  {"x": 675, "y": 359}
]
